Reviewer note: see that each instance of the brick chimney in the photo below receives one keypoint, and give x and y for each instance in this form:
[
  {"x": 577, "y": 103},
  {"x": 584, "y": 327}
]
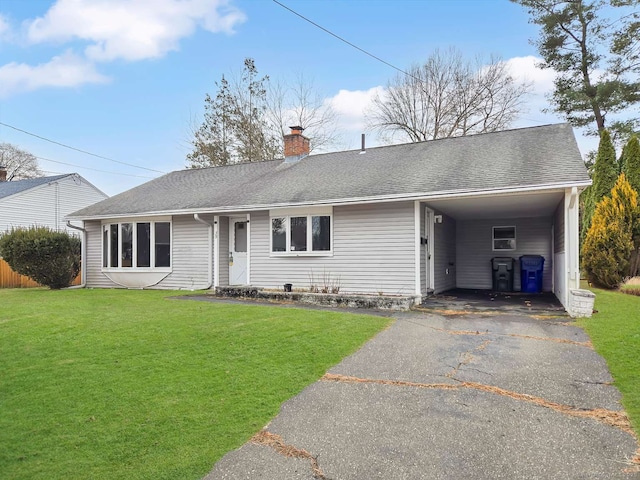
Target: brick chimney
[
  {"x": 3, "y": 173},
  {"x": 296, "y": 145}
]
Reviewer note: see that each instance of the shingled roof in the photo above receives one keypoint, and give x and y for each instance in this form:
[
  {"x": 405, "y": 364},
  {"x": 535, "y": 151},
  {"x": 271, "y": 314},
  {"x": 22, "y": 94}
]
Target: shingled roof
[
  {"x": 17, "y": 186},
  {"x": 536, "y": 156}
]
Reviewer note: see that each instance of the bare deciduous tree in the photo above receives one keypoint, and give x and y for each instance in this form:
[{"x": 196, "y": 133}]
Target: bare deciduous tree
[
  {"x": 448, "y": 96},
  {"x": 247, "y": 118},
  {"x": 300, "y": 104},
  {"x": 19, "y": 163}
]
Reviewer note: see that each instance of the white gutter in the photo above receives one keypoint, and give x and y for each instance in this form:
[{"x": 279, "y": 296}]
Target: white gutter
[
  {"x": 197, "y": 218},
  {"x": 83, "y": 255},
  {"x": 423, "y": 197}
]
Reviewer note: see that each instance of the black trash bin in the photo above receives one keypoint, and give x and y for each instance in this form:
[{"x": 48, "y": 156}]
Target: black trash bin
[
  {"x": 502, "y": 268},
  {"x": 531, "y": 267}
]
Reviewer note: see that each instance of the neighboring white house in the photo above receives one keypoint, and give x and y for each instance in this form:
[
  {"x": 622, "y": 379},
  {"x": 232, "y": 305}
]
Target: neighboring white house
[
  {"x": 44, "y": 201},
  {"x": 403, "y": 219}
]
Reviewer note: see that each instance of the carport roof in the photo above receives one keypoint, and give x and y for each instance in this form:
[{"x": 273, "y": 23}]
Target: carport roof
[{"x": 544, "y": 156}]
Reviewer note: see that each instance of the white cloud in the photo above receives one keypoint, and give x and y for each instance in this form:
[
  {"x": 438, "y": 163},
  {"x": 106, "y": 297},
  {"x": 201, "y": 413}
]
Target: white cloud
[
  {"x": 131, "y": 29},
  {"x": 525, "y": 69},
  {"x": 351, "y": 106},
  {"x": 5, "y": 27},
  {"x": 66, "y": 70}
]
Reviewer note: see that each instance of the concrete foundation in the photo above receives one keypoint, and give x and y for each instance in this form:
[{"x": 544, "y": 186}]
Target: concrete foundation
[
  {"x": 380, "y": 302},
  {"x": 581, "y": 302}
]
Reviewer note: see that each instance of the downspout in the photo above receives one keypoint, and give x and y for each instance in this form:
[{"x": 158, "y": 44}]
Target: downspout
[
  {"x": 197, "y": 218},
  {"x": 574, "y": 195},
  {"x": 575, "y": 238},
  {"x": 83, "y": 255}
]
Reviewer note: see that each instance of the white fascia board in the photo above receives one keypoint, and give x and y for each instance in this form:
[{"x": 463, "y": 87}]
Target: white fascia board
[{"x": 423, "y": 197}]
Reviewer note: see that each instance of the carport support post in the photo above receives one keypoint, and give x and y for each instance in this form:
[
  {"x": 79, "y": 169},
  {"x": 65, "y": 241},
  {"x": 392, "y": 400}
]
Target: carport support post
[
  {"x": 416, "y": 221},
  {"x": 248, "y": 249},
  {"x": 574, "y": 236},
  {"x": 216, "y": 251}
]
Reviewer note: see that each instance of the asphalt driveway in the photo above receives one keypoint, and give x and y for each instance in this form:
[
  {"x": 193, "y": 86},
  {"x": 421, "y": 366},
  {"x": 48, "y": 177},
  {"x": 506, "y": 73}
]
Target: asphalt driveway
[{"x": 459, "y": 397}]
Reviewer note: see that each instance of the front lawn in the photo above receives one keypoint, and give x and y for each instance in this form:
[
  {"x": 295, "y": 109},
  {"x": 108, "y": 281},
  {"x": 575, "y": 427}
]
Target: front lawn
[
  {"x": 615, "y": 333},
  {"x": 116, "y": 384}
]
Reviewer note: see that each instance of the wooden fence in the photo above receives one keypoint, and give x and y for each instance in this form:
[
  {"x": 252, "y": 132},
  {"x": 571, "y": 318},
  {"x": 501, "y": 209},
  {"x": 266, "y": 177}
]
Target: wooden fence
[{"x": 11, "y": 279}]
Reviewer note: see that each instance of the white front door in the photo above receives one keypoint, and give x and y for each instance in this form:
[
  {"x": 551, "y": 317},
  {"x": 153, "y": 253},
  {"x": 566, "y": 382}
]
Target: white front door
[{"x": 238, "y": 240}]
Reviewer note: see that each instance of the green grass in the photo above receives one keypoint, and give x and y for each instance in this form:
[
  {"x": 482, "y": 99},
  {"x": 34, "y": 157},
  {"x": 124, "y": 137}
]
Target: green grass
[
  {"x": 615, "y": 333},
  {"x": 116, "y": 384}
]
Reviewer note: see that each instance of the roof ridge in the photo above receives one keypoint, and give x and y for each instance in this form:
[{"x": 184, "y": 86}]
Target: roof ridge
[{"x": 422, "y": 142}]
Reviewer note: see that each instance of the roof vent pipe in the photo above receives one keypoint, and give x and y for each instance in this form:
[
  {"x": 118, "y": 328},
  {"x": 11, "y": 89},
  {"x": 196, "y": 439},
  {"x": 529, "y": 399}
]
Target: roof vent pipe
[{"x": 362, "y": 149}]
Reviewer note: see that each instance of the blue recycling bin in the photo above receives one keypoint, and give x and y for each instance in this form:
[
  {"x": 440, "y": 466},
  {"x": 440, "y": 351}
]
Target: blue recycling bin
[{"x": 531, "y": 267}]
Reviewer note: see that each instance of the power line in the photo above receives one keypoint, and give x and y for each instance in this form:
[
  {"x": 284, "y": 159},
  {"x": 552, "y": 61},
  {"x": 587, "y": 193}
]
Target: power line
[
  {"x": 89, "y": 168},
  {"x": 344, "y": 40},
  {"x": 79, "y": 150}
]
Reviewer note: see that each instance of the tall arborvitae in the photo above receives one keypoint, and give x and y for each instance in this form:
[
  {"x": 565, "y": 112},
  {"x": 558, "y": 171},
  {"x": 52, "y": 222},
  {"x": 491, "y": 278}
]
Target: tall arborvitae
[
  {"x": 605, "y": 173},
  {"x": 631, "y": 169},
  {"x": 631, "y": 162}
]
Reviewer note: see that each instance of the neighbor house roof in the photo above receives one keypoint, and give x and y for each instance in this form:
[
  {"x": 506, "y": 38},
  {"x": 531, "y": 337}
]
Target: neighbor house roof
[
  {"x": 544, "y": 156},
  {"x": 17, "y": 186}
]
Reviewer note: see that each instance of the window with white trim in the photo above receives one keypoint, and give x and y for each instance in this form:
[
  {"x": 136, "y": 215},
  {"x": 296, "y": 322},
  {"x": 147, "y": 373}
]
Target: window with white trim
[
  {"x": 504, "y": 238},
  {"x": 302, "y": 233},
  {"x": 143, "y": 245}
]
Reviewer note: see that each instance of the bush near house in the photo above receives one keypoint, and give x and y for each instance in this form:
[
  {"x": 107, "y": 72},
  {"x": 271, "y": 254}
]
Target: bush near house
[
  {"x": 605, "y": 170},
  {"x": 609, "y": 242},
  {"x": 48, "y": 257}
]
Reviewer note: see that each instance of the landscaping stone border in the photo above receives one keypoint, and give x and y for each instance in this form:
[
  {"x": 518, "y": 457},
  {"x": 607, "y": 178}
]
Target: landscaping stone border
[{"x": 345, "y": 300}]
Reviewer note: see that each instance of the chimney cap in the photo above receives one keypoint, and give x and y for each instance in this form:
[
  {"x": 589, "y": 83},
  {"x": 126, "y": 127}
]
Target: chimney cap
[{"x": 296, "y": 129}]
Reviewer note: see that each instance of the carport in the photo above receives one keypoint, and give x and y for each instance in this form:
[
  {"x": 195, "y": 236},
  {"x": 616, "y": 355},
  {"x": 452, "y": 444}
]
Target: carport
[{"x": 461, "y": 233}]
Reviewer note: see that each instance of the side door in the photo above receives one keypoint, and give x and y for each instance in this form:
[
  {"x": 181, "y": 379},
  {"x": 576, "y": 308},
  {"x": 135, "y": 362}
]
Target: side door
[{"x": 238, "y": 240}]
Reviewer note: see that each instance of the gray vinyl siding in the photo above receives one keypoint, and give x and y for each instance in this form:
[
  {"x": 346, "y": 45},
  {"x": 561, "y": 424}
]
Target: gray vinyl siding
[
  {"x": 444, "y": 254},
  {"x": 373, "y": 251},
  {"x": 474, "y": 249},
  {"x": 558, "y": 228},
  {"x": 223, "y": 232},
  {"x": 95, "y": 277},
  {"x": 189, "y": 252},
  {"x": 190, "y": 255},
  {"x": 47, "y": 205}
]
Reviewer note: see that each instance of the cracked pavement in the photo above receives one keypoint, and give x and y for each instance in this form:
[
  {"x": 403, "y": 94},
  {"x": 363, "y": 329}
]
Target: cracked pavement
[{"x": 482, "y": 397}]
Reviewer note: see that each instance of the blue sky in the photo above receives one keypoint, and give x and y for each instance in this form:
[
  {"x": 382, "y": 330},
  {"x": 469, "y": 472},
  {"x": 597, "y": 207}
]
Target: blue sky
[{"x": 124, "y": 78}]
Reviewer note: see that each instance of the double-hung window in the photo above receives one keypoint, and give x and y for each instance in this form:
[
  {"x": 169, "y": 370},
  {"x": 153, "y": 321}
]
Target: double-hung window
[
  {"x": 504, "y": 238},
  {"x": 302, "y": 231},
  {"x": 131, "y": 245}
]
